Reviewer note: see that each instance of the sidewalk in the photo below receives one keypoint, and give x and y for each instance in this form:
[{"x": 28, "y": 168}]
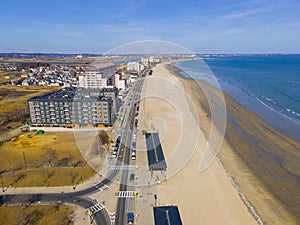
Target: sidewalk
[{"x": 60, "y": 189}]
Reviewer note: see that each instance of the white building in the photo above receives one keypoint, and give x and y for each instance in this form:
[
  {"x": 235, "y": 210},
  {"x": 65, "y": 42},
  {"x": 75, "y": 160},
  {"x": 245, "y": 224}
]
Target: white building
[
  {"x": 145, "y": 61},
  {"x": 78, "y": 57},
  {"x": 92, "y": 79},
  {"x": 135, "y": 66},
  {"x": 120, "y": 83},
  {"x": 98, "y": 76},
  {"x": 151, "y": 59}
]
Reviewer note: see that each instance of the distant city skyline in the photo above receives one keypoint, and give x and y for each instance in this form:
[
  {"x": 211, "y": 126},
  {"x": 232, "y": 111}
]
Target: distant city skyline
[{"x": 268, "y": 26}]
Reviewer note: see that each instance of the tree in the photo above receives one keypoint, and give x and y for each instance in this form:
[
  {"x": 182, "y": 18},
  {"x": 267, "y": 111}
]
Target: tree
[
  {"x": 51, "y": 155},
  {"x": 65, "y": 219},
  {"x": 46, "y": 176},
  {"x": 19, "y": 177},
  {"x": 104, "y": 138},
  {"x": 31, "y": 217},
  {"x": 73, "y": 178}
]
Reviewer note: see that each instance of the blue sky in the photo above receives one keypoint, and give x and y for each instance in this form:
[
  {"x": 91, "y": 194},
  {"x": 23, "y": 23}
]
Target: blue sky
[{"x": 204, "y": 26}]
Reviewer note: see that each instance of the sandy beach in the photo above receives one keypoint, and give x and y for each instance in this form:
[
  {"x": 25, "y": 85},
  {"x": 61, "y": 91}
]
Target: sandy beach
[
  {"x": 263, "y": 162},
  {"x": 232, "y": 190},
  {"x": 202, "y": 197}
]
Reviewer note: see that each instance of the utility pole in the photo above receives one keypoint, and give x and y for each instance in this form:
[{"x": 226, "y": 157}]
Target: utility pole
[{"x": 25, "y": 162}]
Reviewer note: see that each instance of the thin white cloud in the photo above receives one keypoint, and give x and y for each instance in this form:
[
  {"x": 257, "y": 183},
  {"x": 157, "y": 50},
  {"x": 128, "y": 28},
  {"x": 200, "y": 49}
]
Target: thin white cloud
[{"x": 253, "y": 11}]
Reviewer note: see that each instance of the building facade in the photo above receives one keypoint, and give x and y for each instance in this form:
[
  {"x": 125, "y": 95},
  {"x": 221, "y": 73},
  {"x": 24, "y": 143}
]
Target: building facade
[
  {"x": 99, "y": 75},
  {"x": 92, "y": 79},
  {"x": 72, "y": 108},
  {"x": 135, "y": 66}
]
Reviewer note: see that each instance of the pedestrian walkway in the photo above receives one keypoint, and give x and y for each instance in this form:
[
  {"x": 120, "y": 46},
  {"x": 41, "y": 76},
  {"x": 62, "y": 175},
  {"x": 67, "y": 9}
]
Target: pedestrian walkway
[
  {"x": 101, "y": 188},
  {"x": 94, "y": 209},
  {"x": 112, "y": 218},
  {"x": 125, "y": 194}
]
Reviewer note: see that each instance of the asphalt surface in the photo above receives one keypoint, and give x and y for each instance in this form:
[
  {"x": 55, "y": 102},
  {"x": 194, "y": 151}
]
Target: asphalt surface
[
  {"x": 121, "y": 211},
  {"x": 80, "y": 198}
]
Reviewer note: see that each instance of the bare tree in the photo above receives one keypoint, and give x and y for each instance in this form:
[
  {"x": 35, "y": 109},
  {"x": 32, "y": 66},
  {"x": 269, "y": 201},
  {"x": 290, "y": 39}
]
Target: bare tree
[
  {"x": 104, "y": 138},
  {"x": 20, "y": 176},
  {"x": 31, "y": 217},
  {"x": 65, "y": 219},
  {"x": 46, "y": 176},
  {"x": 73, "y": 178},
  {"x": 51, "y": 155}
]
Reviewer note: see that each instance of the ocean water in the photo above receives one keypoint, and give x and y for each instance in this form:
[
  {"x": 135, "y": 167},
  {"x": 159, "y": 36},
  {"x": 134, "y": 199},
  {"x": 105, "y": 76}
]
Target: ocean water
[{"x": 266, "y": 85}]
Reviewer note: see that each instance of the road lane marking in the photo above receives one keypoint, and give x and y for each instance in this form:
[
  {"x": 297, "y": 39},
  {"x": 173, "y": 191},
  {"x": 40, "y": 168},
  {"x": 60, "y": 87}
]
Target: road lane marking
[{"x": 125, "y": 194}]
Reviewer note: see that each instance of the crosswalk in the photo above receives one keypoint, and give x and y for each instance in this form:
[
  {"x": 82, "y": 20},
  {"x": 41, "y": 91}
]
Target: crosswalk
[
  {"x": 112, "y": 218},
  {"x": 101, "y": 188},
  {"x": 125, "y": 194},
  {"x": 94, "y": 209}
]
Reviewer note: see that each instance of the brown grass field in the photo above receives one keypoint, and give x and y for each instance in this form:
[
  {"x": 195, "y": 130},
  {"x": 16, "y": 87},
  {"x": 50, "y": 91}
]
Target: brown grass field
[
  {"x": 51, "y": 160},
  {"x": 37, "y": 215},
  {"x": 13, "y": 104},
  {"x": 15, "y": 97}
]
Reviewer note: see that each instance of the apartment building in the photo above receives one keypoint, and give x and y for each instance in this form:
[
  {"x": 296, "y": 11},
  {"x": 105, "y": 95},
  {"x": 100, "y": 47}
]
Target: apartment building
[
  {"x": 135, "y": 66},
  {"x": 99, "y": 75},
  {"x": 72, "y": 108}
]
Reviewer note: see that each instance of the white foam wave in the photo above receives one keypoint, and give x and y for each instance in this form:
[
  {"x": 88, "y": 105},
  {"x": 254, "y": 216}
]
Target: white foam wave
[{"x": 279, "y": 113}]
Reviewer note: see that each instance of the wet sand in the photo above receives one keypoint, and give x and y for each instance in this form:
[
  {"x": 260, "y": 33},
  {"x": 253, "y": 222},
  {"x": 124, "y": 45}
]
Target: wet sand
[
  {"x": 263, "y": 163},
  {"x": 206, "y": 197}
]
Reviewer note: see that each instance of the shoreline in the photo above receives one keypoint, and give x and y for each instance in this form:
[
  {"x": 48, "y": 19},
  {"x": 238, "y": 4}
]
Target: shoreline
[
  {"x": 205, "y": 196},
  {"x": 272, "y": 116},
  {"x": 241, "y": 161}
]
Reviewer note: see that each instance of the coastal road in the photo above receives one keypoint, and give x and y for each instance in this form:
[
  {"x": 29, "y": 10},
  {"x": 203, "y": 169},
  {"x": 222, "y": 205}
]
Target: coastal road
[{"x": 121, "y": 210}]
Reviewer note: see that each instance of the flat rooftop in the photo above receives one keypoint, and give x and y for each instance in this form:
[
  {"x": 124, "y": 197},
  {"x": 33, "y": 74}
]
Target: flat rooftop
[
  {"x": 167, "y": 215},
  {"x": 73, "y": 94},
  {"x": 156, "y": 158}
]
